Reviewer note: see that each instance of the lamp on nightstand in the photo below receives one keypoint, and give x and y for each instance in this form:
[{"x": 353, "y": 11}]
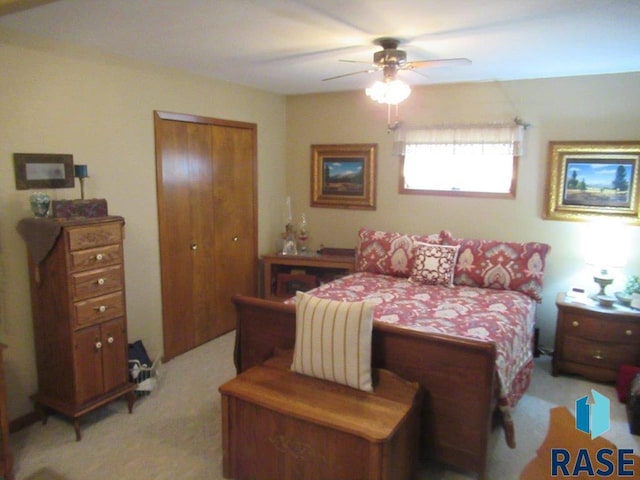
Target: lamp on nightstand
[
  {"x": 603, "y": 278},
  {"x": 607, "y": 249}
]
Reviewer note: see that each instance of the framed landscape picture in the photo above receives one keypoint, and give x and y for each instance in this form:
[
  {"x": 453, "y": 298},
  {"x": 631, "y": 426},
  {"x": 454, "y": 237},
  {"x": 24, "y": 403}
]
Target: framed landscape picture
[
  {"x": 344, "y": 176},
  {"x": 593, "y": 179}
]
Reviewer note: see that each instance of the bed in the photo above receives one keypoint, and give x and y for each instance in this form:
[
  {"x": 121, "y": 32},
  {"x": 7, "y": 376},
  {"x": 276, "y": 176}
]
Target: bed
[{"x": 456, "y": 315}]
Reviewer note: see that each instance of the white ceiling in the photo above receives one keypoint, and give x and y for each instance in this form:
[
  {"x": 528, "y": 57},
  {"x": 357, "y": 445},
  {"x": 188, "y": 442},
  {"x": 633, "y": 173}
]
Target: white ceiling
[{"x": 289, "y": 46}]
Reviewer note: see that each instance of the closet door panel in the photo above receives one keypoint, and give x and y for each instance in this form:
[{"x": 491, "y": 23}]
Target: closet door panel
[
  {"x": 235, "y": 198},
  {"x": 204, "y": 221},
  {"x": 176, "y": 238}
]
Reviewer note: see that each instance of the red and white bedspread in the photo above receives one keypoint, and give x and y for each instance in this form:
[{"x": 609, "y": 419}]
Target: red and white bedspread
[{"x": 503, "y": 317}]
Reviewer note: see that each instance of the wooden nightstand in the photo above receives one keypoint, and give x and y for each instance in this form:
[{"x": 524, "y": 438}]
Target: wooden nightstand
[
  {"x": 593, "y": 341},
  {"x": 284, "y": 274}
]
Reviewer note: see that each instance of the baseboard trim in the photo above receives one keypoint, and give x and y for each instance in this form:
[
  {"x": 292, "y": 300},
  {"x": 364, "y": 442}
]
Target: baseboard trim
[{"x": 23, "y": 422}]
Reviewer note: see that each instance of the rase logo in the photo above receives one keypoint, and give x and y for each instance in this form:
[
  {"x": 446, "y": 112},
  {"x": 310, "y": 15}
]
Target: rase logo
[{"x": 593, "y": 418}]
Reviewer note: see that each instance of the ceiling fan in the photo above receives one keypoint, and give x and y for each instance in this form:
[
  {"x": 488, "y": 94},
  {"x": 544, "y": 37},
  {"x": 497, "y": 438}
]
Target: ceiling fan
[{"x": 390, "y": 60}]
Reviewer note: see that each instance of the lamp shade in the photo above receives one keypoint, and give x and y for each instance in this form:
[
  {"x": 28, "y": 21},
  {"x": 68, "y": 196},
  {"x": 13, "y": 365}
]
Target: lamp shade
[
  {"x": 606, "y": 245},
  {"x": 81, "y": 171}
]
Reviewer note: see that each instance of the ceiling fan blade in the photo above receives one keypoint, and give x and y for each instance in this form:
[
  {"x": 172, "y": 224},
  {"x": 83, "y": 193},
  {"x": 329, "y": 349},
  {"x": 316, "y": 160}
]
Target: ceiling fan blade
[
  {"x": 371, "y": 70},
  {"x": 308, "y": 56},
  {"x": 356, "y": 61},
  {"x": 445, "y": 62},
  {"x": 423, "y": 75}
]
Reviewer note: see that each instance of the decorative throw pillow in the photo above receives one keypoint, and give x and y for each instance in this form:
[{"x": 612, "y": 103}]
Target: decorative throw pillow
[
  {"x": 434, "y": 264},
  {"x": 387, "y": 253},
  {"x": 333, "y": 340},
  {"x": 499, "y": 265}
]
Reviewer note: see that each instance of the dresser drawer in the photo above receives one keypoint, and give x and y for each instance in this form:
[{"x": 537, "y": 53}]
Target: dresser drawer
[
  {"x": 602, "y": 330},
  {"x": 96, "y": 257},
  {"x": 94, "y": 236},
  {"x": 99, "y": 309},
  {"x": 599, "y": 354},
  {"x": 96, "y": 282}
]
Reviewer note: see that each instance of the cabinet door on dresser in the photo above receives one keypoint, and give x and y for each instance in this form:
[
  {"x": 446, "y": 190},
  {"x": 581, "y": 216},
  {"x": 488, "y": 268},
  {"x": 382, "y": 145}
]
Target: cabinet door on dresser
[
  {"x": 89, "y": 381},
  {"x": 100, "y": 350},
  {"x": 114, "y": 353}
]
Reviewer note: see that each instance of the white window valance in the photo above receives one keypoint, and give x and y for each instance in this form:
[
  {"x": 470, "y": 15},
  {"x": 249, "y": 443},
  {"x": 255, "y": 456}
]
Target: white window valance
[{"x": 484, "y": 138}]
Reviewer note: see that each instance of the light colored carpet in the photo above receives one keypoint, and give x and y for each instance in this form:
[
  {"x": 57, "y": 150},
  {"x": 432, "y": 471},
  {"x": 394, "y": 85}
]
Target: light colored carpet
[{"x": 175, "y": 431}]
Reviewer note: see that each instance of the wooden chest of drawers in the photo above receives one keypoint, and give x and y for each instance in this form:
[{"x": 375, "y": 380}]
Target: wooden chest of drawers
[
  {"x": 593, "y": 341},
  {"x": 79, "y": 317}
]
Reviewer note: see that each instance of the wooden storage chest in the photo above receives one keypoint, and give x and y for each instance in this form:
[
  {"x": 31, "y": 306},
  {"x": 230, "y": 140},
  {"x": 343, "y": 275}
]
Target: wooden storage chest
[{"x": 280, "y": 424}]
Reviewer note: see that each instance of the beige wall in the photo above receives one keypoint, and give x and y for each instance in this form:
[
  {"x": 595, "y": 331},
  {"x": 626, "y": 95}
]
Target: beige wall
[
  {"x": 56, "y": 100},
  {"x": 580, "y": 108}
]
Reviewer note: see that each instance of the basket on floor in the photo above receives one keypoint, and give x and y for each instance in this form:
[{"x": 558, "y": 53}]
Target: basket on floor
[{"x": 145, "y": 377}]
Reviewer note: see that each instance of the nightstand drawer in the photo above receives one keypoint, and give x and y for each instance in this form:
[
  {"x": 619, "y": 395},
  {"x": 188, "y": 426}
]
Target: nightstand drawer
[
  {"x": 599, "y": 354},
  {"x": 602, "y": 330}
]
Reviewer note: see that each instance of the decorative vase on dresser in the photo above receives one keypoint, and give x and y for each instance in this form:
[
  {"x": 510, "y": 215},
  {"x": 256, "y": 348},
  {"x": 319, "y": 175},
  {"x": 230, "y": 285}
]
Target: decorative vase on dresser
[{"x": 76, "y": 270}]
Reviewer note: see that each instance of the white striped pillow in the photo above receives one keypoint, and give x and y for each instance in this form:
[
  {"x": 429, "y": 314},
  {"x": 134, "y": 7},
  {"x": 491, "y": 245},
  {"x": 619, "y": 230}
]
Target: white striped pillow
[{"x": 333, "y": 340}]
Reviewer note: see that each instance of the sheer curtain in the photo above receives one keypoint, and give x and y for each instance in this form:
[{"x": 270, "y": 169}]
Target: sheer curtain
[{"x": 494, "y": 138}]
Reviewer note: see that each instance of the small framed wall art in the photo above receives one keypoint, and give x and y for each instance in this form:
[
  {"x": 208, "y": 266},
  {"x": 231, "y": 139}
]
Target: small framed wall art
[
  {"x": 43, "y": 170},
  {"x": 588, "y": 180},
  {"x": 344, "y": 176}
]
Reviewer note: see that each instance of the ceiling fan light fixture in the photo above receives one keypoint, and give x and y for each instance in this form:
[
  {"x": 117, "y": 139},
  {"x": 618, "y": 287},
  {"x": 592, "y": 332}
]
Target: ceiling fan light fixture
[{"x": 391, "y": 92}]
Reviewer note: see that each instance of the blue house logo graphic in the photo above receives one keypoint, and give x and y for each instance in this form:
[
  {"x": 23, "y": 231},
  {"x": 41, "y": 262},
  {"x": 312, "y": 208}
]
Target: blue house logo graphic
[{"x": 593, "y": 417}]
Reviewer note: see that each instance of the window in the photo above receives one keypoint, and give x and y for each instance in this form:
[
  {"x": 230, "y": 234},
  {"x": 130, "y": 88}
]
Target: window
[{"x": 462, "y": 160}]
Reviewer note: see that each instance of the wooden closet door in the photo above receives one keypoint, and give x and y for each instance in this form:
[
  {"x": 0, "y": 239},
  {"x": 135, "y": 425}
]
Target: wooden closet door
[
  {"x": 206, "y": 191},
  {"x": 234, "y": 205}
]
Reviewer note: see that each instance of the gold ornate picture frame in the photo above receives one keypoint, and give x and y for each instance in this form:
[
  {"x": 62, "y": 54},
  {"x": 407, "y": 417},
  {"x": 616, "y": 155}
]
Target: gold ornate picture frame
[
  {"x": 344, "y": 176},
  {"x": 587, "y": 180}
]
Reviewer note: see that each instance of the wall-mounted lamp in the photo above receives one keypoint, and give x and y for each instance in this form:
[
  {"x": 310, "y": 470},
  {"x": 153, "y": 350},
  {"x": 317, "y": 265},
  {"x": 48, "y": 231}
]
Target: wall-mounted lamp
[{"x": 81, "y": 172}]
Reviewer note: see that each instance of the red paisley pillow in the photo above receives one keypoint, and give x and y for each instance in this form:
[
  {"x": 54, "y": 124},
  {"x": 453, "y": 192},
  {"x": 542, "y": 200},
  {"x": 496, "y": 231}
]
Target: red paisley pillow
[
  {"x": 500, "y": 265},
  {"x": 388, "y": 253}
]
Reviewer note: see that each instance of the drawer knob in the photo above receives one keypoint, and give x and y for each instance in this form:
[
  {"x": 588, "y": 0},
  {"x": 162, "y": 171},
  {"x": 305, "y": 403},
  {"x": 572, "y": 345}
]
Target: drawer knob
[
  {"x": 194, "y": 246},
  {"x": 575, "y": 323},
  {"x": 98, "y": 345},
  {"x": 598, "y": 355},
  {"x": 101, "y": 281},
  {"x": 99, "y": 257},
  {"x": 110, "y": 339},
  {"x": 102, "y": 308},
  {"x": 628, "y": 332}
]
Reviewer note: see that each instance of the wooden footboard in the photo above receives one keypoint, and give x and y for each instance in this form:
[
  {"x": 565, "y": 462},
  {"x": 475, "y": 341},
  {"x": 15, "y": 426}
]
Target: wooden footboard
[{"x": 457, "y": 375}]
